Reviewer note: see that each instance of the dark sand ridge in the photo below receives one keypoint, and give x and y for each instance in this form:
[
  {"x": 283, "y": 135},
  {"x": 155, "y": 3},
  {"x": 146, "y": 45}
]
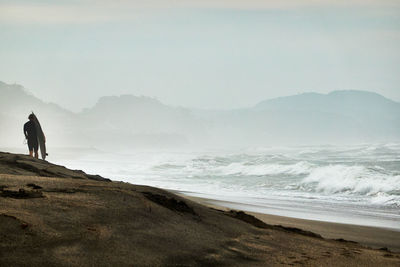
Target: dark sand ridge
[{"x": 63, "y": 221}]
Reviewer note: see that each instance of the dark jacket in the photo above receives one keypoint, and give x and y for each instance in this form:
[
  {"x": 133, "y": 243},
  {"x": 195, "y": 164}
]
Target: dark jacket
[{"x": 30, "y": 130}]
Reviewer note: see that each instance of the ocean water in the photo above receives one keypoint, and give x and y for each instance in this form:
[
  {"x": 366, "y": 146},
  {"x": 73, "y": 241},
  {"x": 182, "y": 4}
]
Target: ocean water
[{"x": 352, "y": 184}]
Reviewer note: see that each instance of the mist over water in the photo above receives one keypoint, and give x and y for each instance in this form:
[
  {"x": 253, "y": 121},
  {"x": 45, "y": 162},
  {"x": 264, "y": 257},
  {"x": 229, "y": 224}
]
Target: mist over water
[
  {"x": 353, "y": 184},
  {"x": 250, "y": 158}
]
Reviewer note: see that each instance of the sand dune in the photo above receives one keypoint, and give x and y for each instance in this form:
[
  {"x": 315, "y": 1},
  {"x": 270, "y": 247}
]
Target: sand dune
[{"x": 50, "y": 215}]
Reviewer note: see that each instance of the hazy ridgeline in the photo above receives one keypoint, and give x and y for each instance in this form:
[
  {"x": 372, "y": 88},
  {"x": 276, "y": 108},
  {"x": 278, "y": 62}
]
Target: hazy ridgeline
[{"x": 129, "y": 122}]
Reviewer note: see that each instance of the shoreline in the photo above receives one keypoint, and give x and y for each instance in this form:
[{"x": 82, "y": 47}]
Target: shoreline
[
  {"x": 369, "y": 236},
  {"x": 55, "y": 216}
]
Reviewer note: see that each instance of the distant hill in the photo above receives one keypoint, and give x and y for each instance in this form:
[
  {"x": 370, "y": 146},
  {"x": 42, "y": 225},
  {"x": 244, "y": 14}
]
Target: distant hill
[
  {"x": 117, "y": 122},
  {"x": 16, "y": 103},
  {"x": 15, "y": 99},
  {"x": 130, "y": 122},
  {"x": 344, "y": 115},
  {"x": 350, "y": 103},
  {"x": 139, "y": 121},
  {"x": 144, "y": 114}
]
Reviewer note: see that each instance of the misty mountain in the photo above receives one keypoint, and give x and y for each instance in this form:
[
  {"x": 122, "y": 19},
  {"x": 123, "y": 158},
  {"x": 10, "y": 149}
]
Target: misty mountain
[
  {"x": 348, "y": 116},
  {"x": 139, "y": 121},
  {"x": 339, "y": 117},
  {"x": 114, "y": 122},
  {"x": 129, "y": 122},
  {"x": 16, "y": 103},
  {"x": 357, "y": 104}
]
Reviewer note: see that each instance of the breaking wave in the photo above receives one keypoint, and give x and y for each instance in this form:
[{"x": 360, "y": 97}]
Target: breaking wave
[{"x": 383, "y": 188}]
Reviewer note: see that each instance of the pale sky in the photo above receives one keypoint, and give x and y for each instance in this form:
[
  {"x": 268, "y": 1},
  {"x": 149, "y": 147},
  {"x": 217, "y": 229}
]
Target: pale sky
[{"x": 207, "y": 54}]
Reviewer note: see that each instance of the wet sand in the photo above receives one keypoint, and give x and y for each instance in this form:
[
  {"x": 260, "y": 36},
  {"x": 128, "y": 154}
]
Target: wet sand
[{"x": 374, "y": 237}]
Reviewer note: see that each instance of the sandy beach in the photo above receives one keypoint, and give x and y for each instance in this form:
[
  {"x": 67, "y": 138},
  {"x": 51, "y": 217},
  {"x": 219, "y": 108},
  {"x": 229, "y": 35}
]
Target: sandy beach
[
  {"x": 374, "y": 237},
  {"x": 53, "y": 216}
]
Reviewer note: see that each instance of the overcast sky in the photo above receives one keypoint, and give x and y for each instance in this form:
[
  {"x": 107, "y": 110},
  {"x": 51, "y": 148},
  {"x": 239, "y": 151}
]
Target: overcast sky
[{"x": 208, "y": 54}]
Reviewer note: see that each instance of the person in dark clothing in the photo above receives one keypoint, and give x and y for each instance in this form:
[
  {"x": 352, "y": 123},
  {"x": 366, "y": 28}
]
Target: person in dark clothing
[{"x": 31, "y": 136}]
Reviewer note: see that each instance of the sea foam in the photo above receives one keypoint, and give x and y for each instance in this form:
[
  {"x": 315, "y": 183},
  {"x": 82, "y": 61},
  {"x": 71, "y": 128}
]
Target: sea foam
[
  {"x": 333, "y": 179},
  {"x": 265, "y": 169}
]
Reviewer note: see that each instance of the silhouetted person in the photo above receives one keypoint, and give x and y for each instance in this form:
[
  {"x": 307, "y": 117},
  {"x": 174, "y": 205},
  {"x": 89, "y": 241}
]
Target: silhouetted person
[{"x": 31, "y": 136}]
